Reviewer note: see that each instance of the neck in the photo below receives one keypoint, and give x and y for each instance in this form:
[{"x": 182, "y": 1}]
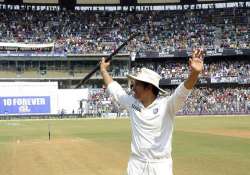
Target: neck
[{"x": 148, "y": 100}]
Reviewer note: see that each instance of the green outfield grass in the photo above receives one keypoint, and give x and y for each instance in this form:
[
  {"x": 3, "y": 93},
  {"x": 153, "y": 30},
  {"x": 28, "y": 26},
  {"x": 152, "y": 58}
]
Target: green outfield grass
[{"x": 201, "y": 146}]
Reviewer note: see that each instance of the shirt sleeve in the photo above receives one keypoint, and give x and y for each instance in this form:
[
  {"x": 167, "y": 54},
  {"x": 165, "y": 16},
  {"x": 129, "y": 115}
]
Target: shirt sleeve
[
  {"x": 119, "y": 94},
  {"x": 177, "y": 100}
]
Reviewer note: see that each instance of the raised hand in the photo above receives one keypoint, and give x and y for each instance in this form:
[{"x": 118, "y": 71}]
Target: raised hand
[
  {"x": 196, "y": 66},
  {"x": 196, "y": 61},
  {"x": 104, "y": 65}
]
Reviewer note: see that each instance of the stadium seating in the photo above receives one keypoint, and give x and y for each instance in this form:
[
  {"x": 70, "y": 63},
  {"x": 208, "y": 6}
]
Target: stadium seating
[{"x": 84, "y": 33}]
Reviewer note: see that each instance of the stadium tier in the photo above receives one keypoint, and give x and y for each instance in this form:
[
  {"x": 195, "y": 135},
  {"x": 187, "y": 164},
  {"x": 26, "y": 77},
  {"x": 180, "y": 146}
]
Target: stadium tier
[{"x": 40, "y": 44}]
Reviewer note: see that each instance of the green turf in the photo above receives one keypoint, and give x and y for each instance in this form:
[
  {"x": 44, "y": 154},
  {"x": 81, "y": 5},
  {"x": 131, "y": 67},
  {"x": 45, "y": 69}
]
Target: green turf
[
  {"x": 197, "y": 150},
  {"x": 205, "y": 153}
]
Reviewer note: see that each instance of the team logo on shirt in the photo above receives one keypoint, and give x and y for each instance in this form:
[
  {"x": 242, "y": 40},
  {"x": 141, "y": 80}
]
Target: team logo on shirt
[
  {"x": 155, "y": 111},
  {"x": 136, "y": 108}
]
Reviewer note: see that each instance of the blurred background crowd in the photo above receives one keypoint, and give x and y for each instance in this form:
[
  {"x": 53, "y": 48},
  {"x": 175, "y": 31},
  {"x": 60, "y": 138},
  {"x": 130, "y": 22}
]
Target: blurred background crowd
[
  {"x": 100, "y": 32},
  {"x": 85, "y": 32}
]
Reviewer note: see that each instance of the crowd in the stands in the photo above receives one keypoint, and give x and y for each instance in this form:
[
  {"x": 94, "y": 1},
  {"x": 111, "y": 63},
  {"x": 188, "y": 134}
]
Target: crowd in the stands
[
  {"x": 91, "y": 32},
  {"x": 219, "y": 68},
  {"x": 100, "y": 32},
  {"x": 202, "y": 101}
]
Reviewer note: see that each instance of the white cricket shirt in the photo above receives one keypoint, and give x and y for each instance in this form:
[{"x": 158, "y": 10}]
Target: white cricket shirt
[{"x": 152, "y": 127}]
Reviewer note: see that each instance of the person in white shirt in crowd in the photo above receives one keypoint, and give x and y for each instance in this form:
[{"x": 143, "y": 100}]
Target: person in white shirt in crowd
[{"x": 151, "y": 115}]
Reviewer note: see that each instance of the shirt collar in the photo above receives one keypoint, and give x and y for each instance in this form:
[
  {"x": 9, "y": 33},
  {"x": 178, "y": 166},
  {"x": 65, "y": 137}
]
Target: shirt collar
[{"x": 154, "y": 103}]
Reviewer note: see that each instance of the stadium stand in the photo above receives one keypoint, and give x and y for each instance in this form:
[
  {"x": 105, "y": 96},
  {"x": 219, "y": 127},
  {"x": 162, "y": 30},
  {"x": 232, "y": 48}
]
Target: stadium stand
[
  {"x": 67, "y": 44},
  {"x": 101, "y": 32}
]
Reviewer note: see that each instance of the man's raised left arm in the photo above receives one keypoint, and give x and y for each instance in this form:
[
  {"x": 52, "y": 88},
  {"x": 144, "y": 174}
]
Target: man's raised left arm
[{"x": 196, "y": 67}]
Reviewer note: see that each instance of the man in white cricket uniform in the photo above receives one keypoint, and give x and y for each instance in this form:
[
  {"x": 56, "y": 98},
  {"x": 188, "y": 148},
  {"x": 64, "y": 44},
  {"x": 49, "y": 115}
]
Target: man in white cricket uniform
[{"x": 152, "y": 116}]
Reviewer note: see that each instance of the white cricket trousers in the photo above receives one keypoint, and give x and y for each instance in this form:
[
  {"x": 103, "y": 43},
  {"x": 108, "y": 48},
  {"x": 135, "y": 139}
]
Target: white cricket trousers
[{"x": 137, "y": 166}]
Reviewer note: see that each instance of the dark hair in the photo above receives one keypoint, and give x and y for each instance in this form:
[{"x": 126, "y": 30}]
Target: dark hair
[{"x": 155, "y": 90}]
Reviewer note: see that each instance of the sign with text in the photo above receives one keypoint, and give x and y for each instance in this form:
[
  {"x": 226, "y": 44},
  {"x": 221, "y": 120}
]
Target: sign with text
[{"x": 25, "y": 105}]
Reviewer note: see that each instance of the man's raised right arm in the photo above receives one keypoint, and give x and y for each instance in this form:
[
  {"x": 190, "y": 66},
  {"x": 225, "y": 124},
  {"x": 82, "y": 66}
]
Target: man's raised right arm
[
  {"x": 105, "y": 75},
  {"x": 113, "y": 87}
]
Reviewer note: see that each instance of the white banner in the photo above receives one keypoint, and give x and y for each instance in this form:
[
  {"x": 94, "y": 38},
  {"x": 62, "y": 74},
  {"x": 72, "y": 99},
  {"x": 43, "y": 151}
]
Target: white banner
[
  {"x": 98, "y": 2},
  {"x": 40, "y": 98},
  {"x": 24, "y": 45},
  {"x": 41, "y": 1}
]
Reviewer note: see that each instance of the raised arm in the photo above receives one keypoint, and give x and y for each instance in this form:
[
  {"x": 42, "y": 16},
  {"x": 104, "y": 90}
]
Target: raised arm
[
  {"x": 178, "y": 98},
  {"x": 196, "y": 66},
  {"x": 114, "y": 89},
  {"x": 105, "y": 75}
]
